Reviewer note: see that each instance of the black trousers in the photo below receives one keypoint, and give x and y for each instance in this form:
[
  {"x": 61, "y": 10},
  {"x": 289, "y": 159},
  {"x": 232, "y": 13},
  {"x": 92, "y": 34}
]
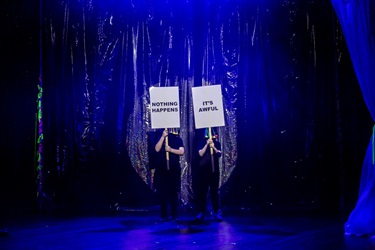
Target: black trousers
[
  {"x": 207, "y": 183},
  {"x": 168, "y": 188}
]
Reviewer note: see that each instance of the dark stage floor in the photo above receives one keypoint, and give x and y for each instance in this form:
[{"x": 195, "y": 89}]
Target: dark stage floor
[{"x": 141, "y": 229}]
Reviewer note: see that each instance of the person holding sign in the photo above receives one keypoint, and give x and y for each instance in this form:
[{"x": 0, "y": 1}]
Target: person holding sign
[
  {"x": 207, "y": 175},
  {"x": 167, "y": 177}
]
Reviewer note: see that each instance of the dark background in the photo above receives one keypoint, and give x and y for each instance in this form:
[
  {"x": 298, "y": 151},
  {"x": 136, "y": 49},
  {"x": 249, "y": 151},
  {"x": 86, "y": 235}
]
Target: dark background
[
  {"x": 20, "y": 53},
  {"x": 335, "y": 132}
]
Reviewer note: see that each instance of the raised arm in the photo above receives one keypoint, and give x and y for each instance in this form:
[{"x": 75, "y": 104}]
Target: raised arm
[{"x": 159, "y": 144}]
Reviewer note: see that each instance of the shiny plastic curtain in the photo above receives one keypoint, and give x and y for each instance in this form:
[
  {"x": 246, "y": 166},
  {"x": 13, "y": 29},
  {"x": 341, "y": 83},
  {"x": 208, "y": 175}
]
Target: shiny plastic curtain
[
  {"x": 357, "y": 19},
  {"x": 163, "y": 55},
  {"x": 111, "y": 54},
  {"x": 275, "y": 61}
]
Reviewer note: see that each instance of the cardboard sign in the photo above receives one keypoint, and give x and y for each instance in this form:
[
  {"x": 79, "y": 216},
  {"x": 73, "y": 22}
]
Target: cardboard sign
[
  {"x": 165, "y": 107},
  {"x": 208, "y": 106}
]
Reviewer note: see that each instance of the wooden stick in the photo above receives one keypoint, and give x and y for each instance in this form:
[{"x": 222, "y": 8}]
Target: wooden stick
[
  {"x": 211, "y": 151},
  {"x": 167, "y": 153}
]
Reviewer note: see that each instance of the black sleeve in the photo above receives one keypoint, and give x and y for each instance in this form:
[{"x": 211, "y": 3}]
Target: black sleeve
[
  {"x": 200, "y": 145},
  {"x": 218, "y": 147}
]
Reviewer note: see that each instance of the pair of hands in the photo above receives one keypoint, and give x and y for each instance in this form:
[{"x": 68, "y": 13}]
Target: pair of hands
[
  {"x": 210, "y": 143},
  {"x": 165, "y": 134}
]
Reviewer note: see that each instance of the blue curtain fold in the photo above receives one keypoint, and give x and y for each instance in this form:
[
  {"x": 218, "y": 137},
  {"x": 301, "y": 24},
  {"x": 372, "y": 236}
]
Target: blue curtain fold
[{"x": 357, "y": 19}]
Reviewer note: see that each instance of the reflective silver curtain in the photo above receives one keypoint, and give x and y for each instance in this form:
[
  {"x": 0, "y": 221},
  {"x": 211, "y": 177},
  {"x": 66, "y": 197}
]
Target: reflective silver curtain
[{"x": 277, "y": 63}]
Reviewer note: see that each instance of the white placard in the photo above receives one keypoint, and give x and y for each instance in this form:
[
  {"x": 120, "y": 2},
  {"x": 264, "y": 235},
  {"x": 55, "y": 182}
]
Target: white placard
[
  {"x": 165, "y": 107},
  {"x": 208, "y": 106}
]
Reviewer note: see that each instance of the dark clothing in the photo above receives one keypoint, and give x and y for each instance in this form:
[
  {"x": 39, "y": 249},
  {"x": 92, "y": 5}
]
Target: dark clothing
[
  {"x": 168, "y": 182},
  {"x": 174, "y": 141},
  {"x": 206, "y": 179}
]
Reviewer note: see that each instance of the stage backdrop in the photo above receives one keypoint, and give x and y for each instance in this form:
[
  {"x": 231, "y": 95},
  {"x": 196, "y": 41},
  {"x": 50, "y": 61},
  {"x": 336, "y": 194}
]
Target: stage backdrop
[{"x": 296, "y": 126}]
